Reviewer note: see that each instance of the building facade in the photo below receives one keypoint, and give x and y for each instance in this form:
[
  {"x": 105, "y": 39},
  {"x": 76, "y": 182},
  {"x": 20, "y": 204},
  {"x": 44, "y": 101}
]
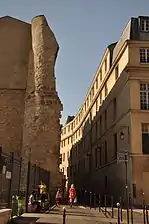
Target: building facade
[
  {"x": 29, "y": 104},
  {"x": 105, "y": 148}
]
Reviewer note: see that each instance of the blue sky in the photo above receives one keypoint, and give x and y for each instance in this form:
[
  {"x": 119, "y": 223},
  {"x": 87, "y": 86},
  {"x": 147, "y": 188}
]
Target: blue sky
[{"x": 83, "y": 29}]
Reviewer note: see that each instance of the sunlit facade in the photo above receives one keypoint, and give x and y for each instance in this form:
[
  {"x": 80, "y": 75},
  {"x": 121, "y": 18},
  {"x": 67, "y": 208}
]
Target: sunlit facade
[{"x": 117, "y": 102}]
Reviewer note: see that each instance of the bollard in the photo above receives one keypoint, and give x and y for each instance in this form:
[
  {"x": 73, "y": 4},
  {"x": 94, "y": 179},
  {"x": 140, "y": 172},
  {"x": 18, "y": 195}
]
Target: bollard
[
  {"x": 118, "y": 213},
  {"x": 131, "y": 208},
  {"x": 144, "y": 218},
  {"x": 85, "y": 198},
  {"x": 99, "y": 203},
  {"x": 147, "y": 219},
  {"x": 121, "y": 210},
  {"x": 112, "y": 206},
  {"x": 64, "y": 215},
  {"x": 105, "y": 203},
  {"x": 90, "y": 200},
  {"x": 127, "y": 203},
  {"x": 95, "y": 201}
]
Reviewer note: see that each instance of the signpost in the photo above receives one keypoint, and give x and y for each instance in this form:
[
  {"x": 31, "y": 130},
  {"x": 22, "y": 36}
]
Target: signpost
[{"x": 122, "y": 156}]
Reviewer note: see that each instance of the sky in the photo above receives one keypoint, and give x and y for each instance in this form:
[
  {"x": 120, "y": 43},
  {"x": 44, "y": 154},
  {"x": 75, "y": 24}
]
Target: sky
[{"x": 83, "y": 29}]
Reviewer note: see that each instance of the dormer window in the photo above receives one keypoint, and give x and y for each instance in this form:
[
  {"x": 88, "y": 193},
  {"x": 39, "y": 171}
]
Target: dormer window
[{"x": 145, "y": 25}]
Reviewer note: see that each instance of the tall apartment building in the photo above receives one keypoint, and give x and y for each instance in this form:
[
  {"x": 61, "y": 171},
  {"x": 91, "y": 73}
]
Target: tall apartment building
[{"x": 113, "y": 121}]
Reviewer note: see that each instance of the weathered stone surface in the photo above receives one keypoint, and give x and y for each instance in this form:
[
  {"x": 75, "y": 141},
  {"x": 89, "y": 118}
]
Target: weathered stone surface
[{"x": 30, "y": 107}]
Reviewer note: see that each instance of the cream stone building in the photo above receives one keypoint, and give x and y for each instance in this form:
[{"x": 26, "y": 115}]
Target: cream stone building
[
  {"x": 105, "y": 148},
  {"x": 29, "y": 104}
]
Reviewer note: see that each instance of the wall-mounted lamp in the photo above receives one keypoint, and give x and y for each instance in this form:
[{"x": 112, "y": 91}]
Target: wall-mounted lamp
[{"x": 122, "y": 135}]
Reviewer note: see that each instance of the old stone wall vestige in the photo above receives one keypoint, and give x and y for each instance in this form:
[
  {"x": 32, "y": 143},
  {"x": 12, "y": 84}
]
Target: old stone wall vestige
[{"x": 29, "y": 105}]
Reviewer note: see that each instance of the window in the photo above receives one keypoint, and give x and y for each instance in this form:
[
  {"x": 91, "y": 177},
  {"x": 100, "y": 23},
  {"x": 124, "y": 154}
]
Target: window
[
  {"x": 105, "y": 65},
  {"x": 93, "y": 91},
  {"x": 115, "y": 146},
  {"x": 100, "y": 125},
  {"x": 100, "y": 155},
  {"x": 106, "y": 182},
  {"x": 87, "y": 102},
  {"x": 106, "y": 90},
  {"x": 144, "y": 55},
  {"x": 96, "y": 105},
  {"x": 96, "y": 83},
  {"x": 76, "y": 120},
  {"x": 96, "y": 130},
  {"x": 144, "y": 96},
  {"x": 84, "y": 109},
  {"x": 145, "y": 25},
  {"x": 100, "y": 98},
  {"x": 116, "y": 72},
  {"x": 145, "y": 138},
  {"x": 114, "y": 109},
  {"x": 63, "y": 157},
  {"x": 68, "y": 128},
  {"x": 100, "y": 75},
  {"x": 105, "y": 119},
  {"x": 106, "y": 153},
  {"x": 79, "y": 131},
  {"x": 67, "y": 155},
  {"x": 97, "y": 157}
]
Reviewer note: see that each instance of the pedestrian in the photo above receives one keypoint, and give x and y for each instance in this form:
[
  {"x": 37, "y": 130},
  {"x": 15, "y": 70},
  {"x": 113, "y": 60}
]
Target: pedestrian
[
  {"x": 32, "y": 202},
  {"x": 72, "y": 195},
  {"x": 58, "y": 197},
  {"x": 43, "y": 193}
]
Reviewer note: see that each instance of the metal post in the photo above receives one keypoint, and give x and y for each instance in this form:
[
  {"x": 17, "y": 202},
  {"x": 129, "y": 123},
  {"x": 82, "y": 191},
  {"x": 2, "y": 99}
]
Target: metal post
[
  {"x": 105, "y": 203},
  {"x": 121, "y": 210},
  {"x": 118, "y": 213},
  {"x": 112, "y": 206},
  {"x": 90, "y": 200},
  {"x": 147, "y": 219},
  {"x": 144, "y": 218},
  {"x": 64, "y": 215},
  {"x": 28, "y": 183},
  {"x": 95, "y": 201},
  {"x": 85, "y": 198},
  {"x": 99, "y": 202},
  {"x": 10, "y": 185},
  {"x": 131, "y": 208},
  {"x": 127, "y": 190}
]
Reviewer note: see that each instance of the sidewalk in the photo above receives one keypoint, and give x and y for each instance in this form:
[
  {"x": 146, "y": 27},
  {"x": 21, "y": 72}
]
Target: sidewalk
[
  {"x": 137, "y": 214},
  {"x": 75, "y": 215}
]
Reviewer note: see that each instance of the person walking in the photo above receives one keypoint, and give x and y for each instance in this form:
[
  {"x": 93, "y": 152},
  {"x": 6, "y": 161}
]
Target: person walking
[
  {"x": 43, "y": 192},
  {"x": 58, "y": 197},
  {"x": 32, "y": 202},
  {"x": 72, "y": 195}
]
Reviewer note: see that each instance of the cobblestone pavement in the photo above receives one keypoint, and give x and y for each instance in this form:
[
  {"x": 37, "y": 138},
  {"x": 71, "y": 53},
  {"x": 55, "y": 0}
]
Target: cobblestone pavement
[{"x": 75, "y": 215}]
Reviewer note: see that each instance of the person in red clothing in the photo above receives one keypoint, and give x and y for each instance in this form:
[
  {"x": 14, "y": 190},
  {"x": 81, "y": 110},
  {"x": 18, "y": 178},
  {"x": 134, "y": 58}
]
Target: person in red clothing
[{"x": 72, "y": 194}]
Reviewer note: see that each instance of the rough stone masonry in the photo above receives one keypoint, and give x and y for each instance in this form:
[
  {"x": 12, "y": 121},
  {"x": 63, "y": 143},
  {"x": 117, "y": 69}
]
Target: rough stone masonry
[{"x": 29, "y": 104}]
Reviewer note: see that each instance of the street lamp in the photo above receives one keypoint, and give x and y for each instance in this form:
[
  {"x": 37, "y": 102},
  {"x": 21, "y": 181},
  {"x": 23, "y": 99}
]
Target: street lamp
[{"x": 126, "y": 177}]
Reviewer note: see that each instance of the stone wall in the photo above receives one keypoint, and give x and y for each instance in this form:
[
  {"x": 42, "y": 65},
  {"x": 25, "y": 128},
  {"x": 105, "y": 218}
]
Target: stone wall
[
  {"x": 14, "y": 44},
  {"x": 30, "y": 107}
]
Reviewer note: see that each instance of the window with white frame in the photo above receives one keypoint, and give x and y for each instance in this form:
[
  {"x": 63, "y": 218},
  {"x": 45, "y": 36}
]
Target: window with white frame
[
  {"x": 145, "y": 138},
  {"x": 144, "y": 55},
  {"x": 144, "y": 96},
  {"x": 145, "y": 25}
]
